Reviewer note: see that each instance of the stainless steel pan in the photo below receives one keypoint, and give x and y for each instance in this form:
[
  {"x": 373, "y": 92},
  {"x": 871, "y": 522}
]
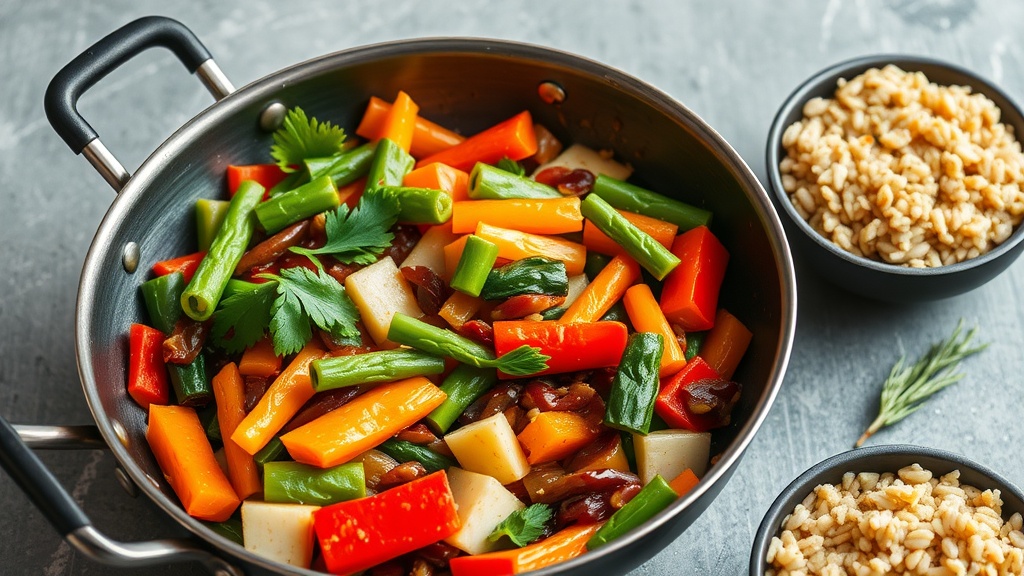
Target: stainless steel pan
[{"x": 466, "y": 84}]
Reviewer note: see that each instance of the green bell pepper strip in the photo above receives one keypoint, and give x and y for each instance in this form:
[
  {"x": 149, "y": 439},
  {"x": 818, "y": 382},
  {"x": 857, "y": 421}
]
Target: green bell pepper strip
[
  {"x": 651, "y": 499},
  {"x": 293, "y": 482},
  {"x": 162, "y": 296},
  {"x": 595, "y": 263},
  {"x": 230, "y": 529},
  {"x": 553, "y": 313},
  {"x": 209, "y": 216},
  {"x": 475, "y": 264},
  {"x": 420, "y": 205},
  {"x": 647, "y": 251},
  {"x": 203, "y": 292},
  {"x": 371, "y": 367},
  {"x": 533, "y": 275},
  {"x": 489, "y": 182},
  {"x": 307, "y": 200},
  {"x": 463, "y": 386},
  {"x": 191, "y": 386},
  {"x": 274, "y": 451},
  {"x": 633, "y": 198},
  {"x": 405, "y": 451},
  {"x": 390, "y": 165},
  {"x": 694, "y": 340},
  {"x": 634, "y": 388},
  {"x": 344, "y": 168}
]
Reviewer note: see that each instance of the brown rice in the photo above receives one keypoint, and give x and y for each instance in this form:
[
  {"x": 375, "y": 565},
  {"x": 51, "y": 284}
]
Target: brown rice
[
  {"x": 903, "y": 523},
  {"x": 898, "y": 169}
]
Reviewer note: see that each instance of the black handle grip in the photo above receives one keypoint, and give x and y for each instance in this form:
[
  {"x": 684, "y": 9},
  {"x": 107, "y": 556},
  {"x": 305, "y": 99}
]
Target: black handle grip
[
  {"x": 105, "y": 56},
  {"x": 34, "y": 479}
]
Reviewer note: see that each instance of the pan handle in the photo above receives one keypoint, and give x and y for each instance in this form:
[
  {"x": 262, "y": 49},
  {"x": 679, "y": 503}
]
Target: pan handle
[
  {"x": 61, "y": 510},
  {"x": 102, "y": 58}
]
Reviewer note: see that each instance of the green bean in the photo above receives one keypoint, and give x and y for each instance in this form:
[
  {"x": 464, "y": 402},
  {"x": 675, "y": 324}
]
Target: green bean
[
  {"x": 463, "y": 386},
  {"x": 486, "y": 181},
  {"x": 344, "y": 168},
  {"x": 191, "y": 386},
  {"x": 273, "y": 452},
  {"x": 647, "y": 251},
  {"x": 202, "y": 294},
  {"x": 209, "y": 216},
  {"x": 632, "y": 198},
  {"x": 475, "y": 264},
  {"x": 405, "y": 451},
  {"x": 390, "y": 165},
  {"x": 307, "y": 200},
  {"x": 533, "y": 275},
  {"x": 420, "y": 205},
  {"x": 651, "y": 499},
  {"x": 379, "y": 366},
  {"x": 634, "y": 388},
  {"x": 297, "y": 483}
]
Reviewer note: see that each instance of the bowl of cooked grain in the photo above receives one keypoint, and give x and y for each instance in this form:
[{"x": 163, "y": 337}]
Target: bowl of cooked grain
[
  {"x": 895, "y": 509},
  {"x": 900, "y": 178}
]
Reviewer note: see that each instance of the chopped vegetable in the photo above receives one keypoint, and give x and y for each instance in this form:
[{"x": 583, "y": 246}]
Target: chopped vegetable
[
  {"x": 516, "y": 245},
  {"x": 597, "y": 241},
  {"x": 440, "y": 177},
  {"x": 344, "y": 168},
  {"x": 697, "y": 398},
  {"x": 694, "y": 340},
  {"x": 463, "y": 386},
  {"x": 482, "y": 503},
  {"x": 645, "y": 315},
  {"x": 191, "y": 386},
  {"x": 400, "y": 121},
  {"x": 229, "y": 393},
  {"x": 300, "y": 137},
  {"x": 571, "y": 347},
  {"x": 230, "y": 528},
  {"x": 372, "y": 367},
  {"x": 209, "y": 216},
  {"x": 669, "y": 452},
  {"x": 306, "y": 298},
  {"x": 280, "y": 532},
  {"x": 295, "y": 483},
  {"x": 428, "y": 138},
  {"x": 630, "y": 403},
  {"x": 689, "y": 296},
  {"x": 187, "y": 265},
  {"x": 583, "y": 157},
  {"x": 380, "y": 292},
  {"x": 162, "y": 296},
  {"x": 307, "y": 200},
  {"x": 475, "y": 264},
  {"x": 273, "y": 452},
  {"x": 266, "y": 175},
  {"x": 389, "y": 167},
  {"x": 685, "y": 482},
  {"x": 487, "y": 182},
  {"x": 555, "y": 435},
  {"x": 459, "y": 308},
  {"x": 359, "y": 236},
  {"x": 633, "y": 198},
  {"x": 653, "y": 498},
  {"x": 563, "y": 545},
  {"x": 490, "y": 447},
  {"x": 603, "y": 291},
  {"x": 533, "y": 275},
  {"x": 654, "y": 257},
  {"x": 535, "y": 216},
  {"x": 420, "y": 205},
  {"x": 147, "y": 375},
  {"x": 405, "y": 451},
  {"x": 725, "y": 344},
  {"x": 524, "y": 526},
  {"x": 514, "y": 138},
  {"x": 363, "y": 423},
  {"x": 260, "y": 360},
  {"x": 184, "y": 455}
]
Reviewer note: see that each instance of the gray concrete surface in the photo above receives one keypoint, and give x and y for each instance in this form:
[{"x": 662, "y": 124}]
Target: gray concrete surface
[{"x": 732, "y": 62}]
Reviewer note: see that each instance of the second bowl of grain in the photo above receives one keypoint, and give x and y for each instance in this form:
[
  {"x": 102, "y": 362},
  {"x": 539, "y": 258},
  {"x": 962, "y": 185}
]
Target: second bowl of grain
[{"x": 900, "y": 178}]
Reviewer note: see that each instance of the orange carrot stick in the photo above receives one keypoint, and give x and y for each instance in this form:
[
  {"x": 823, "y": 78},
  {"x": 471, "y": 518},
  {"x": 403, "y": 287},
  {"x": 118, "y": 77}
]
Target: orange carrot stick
[
  {"x": 535, "y": 216},
  {"x": 428, "y": 138},
  {"x": 516, "y": 245},
  {"x": 725, "y": 344},
  {"x": 260, "y": 360},
  {"x": 440, "y": 177},
  {"x": 513, "y": 138},
  {"x": 289, "y": 392},
  {"x": 608, "y": 286},
  {"x": 400, "y": 121},
  {"x": 684, "y": 482},
  {"x": 646, "y": 316},
  {"x": 229, "y": 393},
  {"x": 554, "y": 435},
  {"x": 663, "y": 232},
  {"x": 350, "y": 194},
  {"x": 459, "y": 308},
  {"x": 184, "y": 454},
  {"x": 363, "y": 423},
  {"x": 563, "y": 545}
]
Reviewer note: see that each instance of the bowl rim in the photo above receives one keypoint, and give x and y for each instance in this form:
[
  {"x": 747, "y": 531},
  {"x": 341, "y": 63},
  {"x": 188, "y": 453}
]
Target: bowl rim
[
  {"x": 843, "y": 461},
  {"x": 848, "y": 69}
]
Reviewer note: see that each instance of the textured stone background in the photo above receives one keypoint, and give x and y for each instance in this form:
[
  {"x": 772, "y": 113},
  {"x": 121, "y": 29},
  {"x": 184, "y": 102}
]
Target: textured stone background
[{"x": 732, "y": 62}]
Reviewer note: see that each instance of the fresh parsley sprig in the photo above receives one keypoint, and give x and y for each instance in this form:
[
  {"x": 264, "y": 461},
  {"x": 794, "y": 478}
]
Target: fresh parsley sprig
[
  {"x": 289, "y": 304},
  {"x": 509, "y": 165},
  {"x": 907, "y": 387},
  {"x": 523, "y": 526},
  {"x": 359, "y": 236},
  {"x": 300, "y": 137}
]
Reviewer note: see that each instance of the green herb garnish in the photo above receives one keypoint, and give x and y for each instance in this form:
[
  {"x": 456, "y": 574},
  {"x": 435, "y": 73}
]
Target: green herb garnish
[
  {"x": 509, "y": 165},
  {"x": 300, "y": 138},
  {"x": 359, "y": 236},
  {"x": 523, "y": 526},
  {"x": 907, "y": 387}
]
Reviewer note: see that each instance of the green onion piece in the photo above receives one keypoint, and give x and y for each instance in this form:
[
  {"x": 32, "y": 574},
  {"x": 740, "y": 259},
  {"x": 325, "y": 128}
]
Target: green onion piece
[
  {"x": 202, "y": 294},
  {"x": 390, "y": 165},
  {"x": 420, "y": 205},
  {"x": 307, "y": 200},
  {"x": 475, "y": 264},
  {"x": 633, "y": 198},
  {"x": 634, "y": 388},
  {"x": 162, "y": 296},
  {"x": 405, "y": 451},
  {"x": 344, "y": 168},
  {"x": 486, "y": 181},
  {"x": 297, "y": 483},
  {"x": 651, "y": 499},
  {"x": 694, "y": 340},
  {"x": 463, "y": 386},
  {"x": 533, "y": 275},
  {"x": 209, "y": 216},
  {"x": 379, "y": 366},
  {"x": 647, "y": 251},
  {"x": 273, "y": 452}
]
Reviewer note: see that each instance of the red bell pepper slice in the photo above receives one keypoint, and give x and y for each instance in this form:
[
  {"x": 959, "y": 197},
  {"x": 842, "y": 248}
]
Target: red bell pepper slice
[
  {"x": 572, "y": 347},
  {"x": 671, "y": 402},
  {"x": 185, "y": 264},
  {"x": 358, "y": 534},
  {"x": 689, "y": 296},
  {"x": 147, "y": 374},
  {"x": 266, "y": 175},
  {"x": 482, "y": 565}
]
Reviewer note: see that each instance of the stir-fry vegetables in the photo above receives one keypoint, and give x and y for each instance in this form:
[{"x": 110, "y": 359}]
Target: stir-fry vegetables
[{"x": 420, "y": 352}]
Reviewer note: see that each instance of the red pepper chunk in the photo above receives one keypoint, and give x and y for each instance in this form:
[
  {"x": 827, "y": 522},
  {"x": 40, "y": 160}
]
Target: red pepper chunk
[
  {"x": 689, "y": 296},
  {"x": 187, "y": 265},
  {"x": 696, "y": 383},
  {"x": 266, "y": 175},
  {"x": 147, "y": 374},
  {"x": 359, "y": 534},
  {"x": 572, "y": 347}
]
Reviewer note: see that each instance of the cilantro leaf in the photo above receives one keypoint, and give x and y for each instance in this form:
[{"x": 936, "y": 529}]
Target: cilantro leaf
[
  {"x": 522, "y": 361},
  {"x": 509, "y": 165},
  {"x": 288, "y": 325},
  {"x": 360, "y": 236},
  {"x": 323, "y": 300},
  {"x": 245, "y": 316},
  {"x": 300, "y": 137},
  {"x": 523, "y": 526}
]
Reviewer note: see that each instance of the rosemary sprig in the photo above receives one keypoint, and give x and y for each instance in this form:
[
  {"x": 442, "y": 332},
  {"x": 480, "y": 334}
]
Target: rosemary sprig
[{"x": 907, "y": 387}]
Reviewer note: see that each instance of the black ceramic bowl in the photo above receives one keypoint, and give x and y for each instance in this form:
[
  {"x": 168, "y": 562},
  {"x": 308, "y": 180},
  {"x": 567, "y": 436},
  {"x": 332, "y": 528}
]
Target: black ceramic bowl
[
  {"x": 872, "y": 278},
  {"x": 883, "y": 458}
]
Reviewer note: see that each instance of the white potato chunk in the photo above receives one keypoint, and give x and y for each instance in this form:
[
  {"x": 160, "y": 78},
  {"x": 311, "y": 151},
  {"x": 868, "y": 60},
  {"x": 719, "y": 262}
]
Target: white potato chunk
[
  {"x": 429, "y": 251},
  {"x": 281, "y": 532},
  {"x": 482, "y": 503},
  {"x": 580, "y": 156},
  {"x": 669, "y": 452},
  {"x": 379, "y": 291},
  {"x": 490, "y": 447}
]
